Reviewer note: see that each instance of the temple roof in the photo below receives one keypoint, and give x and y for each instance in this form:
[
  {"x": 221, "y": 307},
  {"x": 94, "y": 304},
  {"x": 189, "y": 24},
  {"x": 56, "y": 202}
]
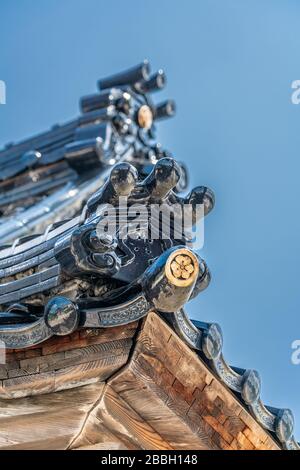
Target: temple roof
[
  {"x": 138, "y": 386},
  {"x": 157, "y": 382}
]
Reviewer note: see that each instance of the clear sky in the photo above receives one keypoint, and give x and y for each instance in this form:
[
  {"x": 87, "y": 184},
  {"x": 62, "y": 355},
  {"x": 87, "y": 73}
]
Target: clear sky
[{"x": 230, "y": 65}]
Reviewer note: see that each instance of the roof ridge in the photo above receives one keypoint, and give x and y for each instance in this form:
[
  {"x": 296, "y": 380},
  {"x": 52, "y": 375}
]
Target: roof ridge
[{"x": 207, "y": 340}]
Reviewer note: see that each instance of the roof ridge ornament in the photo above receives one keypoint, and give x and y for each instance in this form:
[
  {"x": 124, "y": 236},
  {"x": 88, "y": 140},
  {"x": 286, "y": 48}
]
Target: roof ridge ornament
[{"x": 58, "y": 274}]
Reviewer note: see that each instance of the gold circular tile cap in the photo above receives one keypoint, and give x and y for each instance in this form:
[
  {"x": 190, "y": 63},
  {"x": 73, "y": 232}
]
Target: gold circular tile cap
[
  {"x": 182, "y": 268},
  {"x": 145, "y": 117}
]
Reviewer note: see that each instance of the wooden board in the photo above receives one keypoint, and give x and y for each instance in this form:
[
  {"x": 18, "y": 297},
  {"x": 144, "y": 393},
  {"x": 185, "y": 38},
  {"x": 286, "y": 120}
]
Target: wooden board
[{"x": 132, "y": 387}]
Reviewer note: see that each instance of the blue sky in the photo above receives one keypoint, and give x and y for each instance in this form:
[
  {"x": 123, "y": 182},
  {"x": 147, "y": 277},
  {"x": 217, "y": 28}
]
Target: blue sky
[{"x": 230, "y": 65}]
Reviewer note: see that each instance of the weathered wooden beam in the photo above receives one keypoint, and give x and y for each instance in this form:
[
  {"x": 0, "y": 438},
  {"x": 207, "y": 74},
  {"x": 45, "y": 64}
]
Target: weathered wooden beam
[
  {"x": 147, "y": 390},
  {"x": 46, "y": 421},
  {"x": 66, "y": 362},
  {"x": 115, "y": 416},
  {"x": 169, "y": 386}
]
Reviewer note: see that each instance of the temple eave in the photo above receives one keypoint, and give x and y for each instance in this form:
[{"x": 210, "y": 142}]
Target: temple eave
[{"x": 138, "y": 386}]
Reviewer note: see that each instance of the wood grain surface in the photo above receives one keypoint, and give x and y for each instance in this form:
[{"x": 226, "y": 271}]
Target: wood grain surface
[{"x": 132, "y": 387}]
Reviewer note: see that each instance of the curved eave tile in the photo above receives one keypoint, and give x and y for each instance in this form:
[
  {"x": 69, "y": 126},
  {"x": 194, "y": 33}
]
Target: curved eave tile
[{"x": 208, "y": 339}]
